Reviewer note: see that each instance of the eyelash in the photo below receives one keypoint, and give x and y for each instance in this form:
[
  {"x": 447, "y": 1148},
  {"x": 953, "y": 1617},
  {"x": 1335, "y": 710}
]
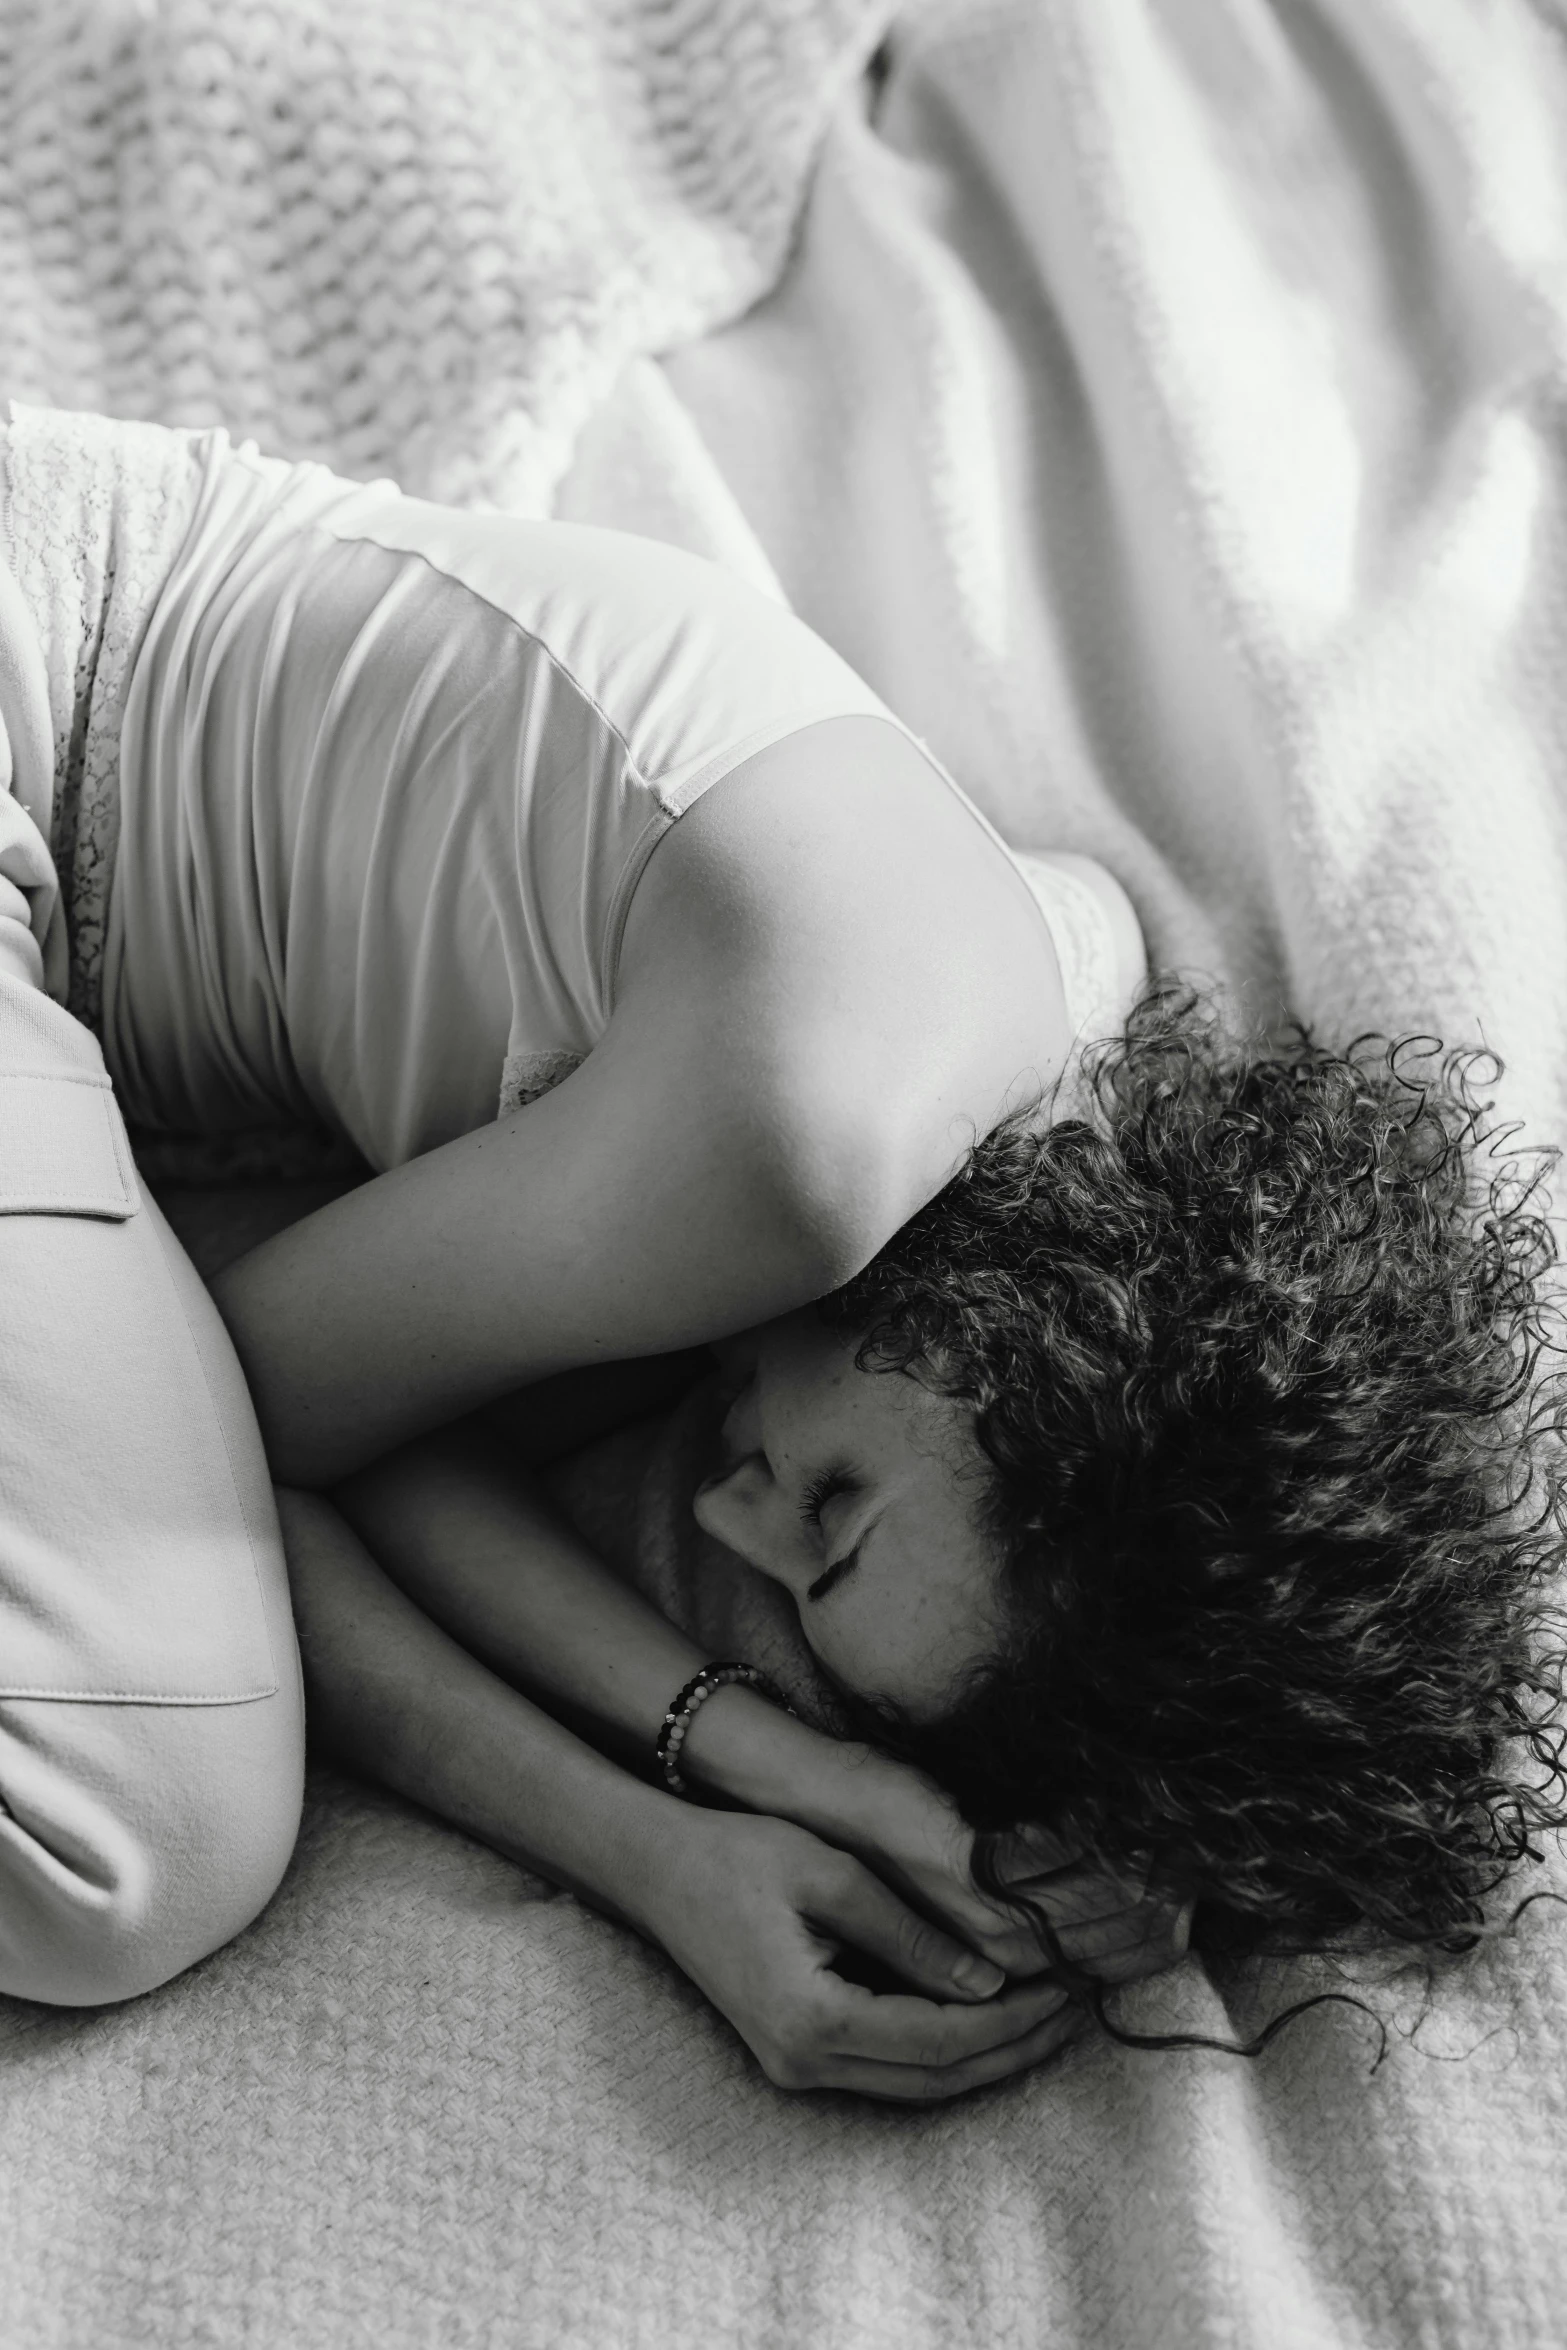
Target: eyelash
[
  {"x": 818, "y": 1494},
  {"x": 812, "y": 1503}
]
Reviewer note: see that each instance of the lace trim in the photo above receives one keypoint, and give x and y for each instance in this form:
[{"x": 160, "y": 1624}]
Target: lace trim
[
  {"x": 1085, "y": 948},
  {"x": 7, "y": 529},
  {"x": 95, "y": 513},
  {"x": 524, "y": 1076}
]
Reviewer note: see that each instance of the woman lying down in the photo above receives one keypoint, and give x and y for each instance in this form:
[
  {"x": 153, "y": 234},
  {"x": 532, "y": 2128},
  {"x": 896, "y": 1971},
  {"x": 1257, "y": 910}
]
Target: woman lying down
[{"x": 1153, "y": 1447}]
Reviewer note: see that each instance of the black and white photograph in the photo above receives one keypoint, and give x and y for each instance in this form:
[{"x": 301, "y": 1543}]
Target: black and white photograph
[{"x": 783, "y": 1239}]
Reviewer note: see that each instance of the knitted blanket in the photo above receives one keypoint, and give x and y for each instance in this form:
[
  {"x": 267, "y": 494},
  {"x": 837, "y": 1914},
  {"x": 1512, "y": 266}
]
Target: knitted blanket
[
  {"x": 404, "y": 237},
  {"x": 1164, "y": 414}
]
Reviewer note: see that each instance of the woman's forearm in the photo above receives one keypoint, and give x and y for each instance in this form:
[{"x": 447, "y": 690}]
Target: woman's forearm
[
  {"x": 665, "y": 1195},
  {"x": 401, "y": 1702},
  {"x": 474, "y": 1543},
  {"x": 751, "y": 1909}
]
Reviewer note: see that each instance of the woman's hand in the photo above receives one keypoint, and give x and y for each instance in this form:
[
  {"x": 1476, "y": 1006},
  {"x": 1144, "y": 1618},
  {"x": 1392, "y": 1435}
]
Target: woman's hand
[
  {"x": 903, "y": 1826},
  {"x": 755, "y": 1910}
]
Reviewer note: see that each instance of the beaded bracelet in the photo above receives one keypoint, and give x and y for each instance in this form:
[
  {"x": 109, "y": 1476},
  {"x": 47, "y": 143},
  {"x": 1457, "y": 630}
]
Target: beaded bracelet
[{"x": 696, "y": 1693}]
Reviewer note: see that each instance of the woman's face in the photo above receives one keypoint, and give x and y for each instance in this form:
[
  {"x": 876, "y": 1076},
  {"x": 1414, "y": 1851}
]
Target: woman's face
[{"x": 896, "y": 1583}]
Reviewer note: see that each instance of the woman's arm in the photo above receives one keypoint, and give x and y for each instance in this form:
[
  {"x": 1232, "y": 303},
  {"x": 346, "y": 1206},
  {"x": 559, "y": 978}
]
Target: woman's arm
[
  {"x": 474, "y": 1543},
  {"x": 690, "y": 1180},
  {"x": 753, "y": 1910},
  {"x": 823, "y": 995},
  {"x": 391, "y": 1696}
]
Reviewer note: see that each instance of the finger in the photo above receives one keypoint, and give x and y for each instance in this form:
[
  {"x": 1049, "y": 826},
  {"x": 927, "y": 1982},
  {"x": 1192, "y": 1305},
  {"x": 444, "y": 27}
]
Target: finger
[
  {"x": 1110, "y": 1937},
  {"x": 932, "y": 2084},
  {"x": 857, "y": 1906},
  {"x": 1083, "y": 1896},
  {"x": 1105, "y": 1938},
  {"x": 1155, "y": 1925},
  {"x": 1163, "y": 1942},
  {"x": 923, "y": 2033},
  {"x": 1035, "y": 1851},
  {"x": 1091, "y": 1895},
  {"x": 1023, "y": 1956}
]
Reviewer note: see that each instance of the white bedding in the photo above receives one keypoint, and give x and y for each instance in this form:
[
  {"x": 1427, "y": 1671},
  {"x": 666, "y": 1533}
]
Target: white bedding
[
  {"x": 422, "y": 2101},
  {"x": 1164, "y": 413},
  {"x": 1163, "y": 410}
]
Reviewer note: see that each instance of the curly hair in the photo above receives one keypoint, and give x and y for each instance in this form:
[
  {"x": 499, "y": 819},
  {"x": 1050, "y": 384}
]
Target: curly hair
[{"x": 1262, "y": 1356}]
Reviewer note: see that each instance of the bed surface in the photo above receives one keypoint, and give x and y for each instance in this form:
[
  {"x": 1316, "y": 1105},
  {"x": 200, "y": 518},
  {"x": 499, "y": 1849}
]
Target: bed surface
[{"x": 426, "y": 2100}]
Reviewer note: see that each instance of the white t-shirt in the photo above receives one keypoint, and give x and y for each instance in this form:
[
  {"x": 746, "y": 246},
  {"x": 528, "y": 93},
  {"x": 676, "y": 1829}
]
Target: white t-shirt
[{"x": 390, "y": 774}]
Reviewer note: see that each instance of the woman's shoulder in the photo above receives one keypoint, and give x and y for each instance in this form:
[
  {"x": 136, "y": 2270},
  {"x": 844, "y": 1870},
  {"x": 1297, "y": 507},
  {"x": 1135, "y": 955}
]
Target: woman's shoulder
[{"x": 903, "y": 979}]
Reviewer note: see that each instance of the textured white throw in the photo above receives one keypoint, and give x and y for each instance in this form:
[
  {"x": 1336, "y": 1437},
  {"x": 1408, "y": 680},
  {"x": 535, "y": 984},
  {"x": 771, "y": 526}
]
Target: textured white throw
[
  {"x": 416, "y": 237},
  {"x": 1164, "y": 410},
  {"x": 1165, "y": 414}
]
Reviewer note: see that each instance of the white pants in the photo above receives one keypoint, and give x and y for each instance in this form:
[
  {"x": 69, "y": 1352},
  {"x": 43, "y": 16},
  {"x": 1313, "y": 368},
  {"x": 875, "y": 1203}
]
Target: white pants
[{"x": 151, "y": 1709}]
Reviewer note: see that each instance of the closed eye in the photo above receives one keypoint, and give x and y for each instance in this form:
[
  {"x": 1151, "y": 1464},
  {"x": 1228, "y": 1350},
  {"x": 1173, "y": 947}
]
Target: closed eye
[{"x": 813, "y": 1501}]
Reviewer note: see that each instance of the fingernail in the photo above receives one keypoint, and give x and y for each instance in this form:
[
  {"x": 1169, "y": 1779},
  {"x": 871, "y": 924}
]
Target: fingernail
[{"x": 979, "y": 1976}]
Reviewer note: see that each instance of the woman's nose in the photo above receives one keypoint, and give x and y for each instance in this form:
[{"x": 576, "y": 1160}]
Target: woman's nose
[{"x": 739, "y": 1509}]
